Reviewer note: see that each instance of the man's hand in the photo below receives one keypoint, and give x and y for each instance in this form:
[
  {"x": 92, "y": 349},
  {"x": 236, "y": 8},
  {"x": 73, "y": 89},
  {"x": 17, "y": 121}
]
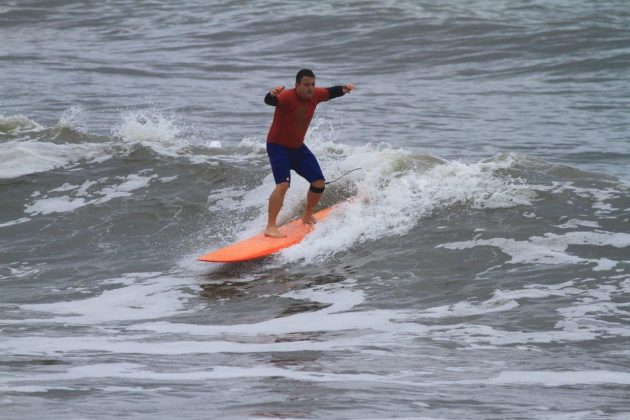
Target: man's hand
[
  {"x": 276, "y": 91},
  {"x": 348, "y": 87}
]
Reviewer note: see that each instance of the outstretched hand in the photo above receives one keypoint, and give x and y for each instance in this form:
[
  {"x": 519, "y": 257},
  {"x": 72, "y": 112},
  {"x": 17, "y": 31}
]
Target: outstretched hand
[
  {"x": 348, "y": 87},
  {"x": 276, "y": 91}
]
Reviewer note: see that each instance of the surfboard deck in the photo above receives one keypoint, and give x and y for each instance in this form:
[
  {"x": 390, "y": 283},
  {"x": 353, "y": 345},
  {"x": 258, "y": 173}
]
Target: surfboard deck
[{"x": 259, "y": 246}]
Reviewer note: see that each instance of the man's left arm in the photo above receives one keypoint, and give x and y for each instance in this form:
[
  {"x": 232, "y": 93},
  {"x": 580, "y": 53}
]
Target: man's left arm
[
  {"x": 272, "y": 96},
  {"x": 337, "y": 91}
]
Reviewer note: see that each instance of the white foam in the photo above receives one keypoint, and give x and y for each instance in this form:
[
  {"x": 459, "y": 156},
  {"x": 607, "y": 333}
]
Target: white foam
[
  {"x": 65, "y": 187},
  {"x": 150, "y": 126},
  {"x": 130, "y": 183},
  {"x": 167, "y": 179},
  {"x": 582, "y": 320},
  {"x": 54, "y": 205},
  {"x": 135, "y": 371},
  {"x": 15, "y": 222},
  {"x": 83, "y": 195},
  {"x": 576, "y": 223},
  {"x": 551, "y": 248},
  {"x": 24, "y": 157},
  {"x": 21, "y": 271},
  {"x": 599, "y": 197},
  {"x": 19, "y": 158},
  {"x": 142, "y": 345},
  {"x": 225, "y": 198},
  {"x": 140, "y": 372},
  {"x": 254, "y": 144},
  {"x": 484, "y": 336},
  {"x": 336, "y": 317},
  {"x": 74, "y": 119},
  {"x": 341, "y": 326},
  {"x": 501, "y": 300},
  {"x": 17, "y": 124},
  {"x": 155, "y": 298},
  {"x": 556, "y": 378},
  {"x": 163, "y": 133},
  {"x": 141, "y": 297}
]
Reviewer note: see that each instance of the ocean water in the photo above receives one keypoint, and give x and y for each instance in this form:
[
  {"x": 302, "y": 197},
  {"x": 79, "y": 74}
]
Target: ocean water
[{"x": 477, "y": 265}]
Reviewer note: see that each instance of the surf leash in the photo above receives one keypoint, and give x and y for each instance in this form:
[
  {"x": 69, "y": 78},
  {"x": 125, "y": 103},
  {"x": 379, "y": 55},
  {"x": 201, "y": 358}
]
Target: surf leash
[{"x": 335, "y": 180}]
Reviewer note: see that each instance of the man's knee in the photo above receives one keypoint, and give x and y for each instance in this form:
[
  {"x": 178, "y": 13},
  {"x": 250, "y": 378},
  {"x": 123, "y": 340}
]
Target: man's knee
[
  {"x": 318, "y": 186},
  {"x": 282, "y": 187}
]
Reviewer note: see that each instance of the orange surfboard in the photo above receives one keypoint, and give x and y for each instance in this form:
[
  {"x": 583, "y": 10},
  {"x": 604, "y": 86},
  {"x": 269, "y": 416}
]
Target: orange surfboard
[{"x": 260, "y": 245}]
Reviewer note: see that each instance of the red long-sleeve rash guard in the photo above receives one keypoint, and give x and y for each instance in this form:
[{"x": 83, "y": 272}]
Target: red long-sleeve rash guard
[{"x": 294, "y": 114}]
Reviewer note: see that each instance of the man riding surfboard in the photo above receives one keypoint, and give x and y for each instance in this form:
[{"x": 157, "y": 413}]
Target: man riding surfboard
[{"x": 285, "y": 143}]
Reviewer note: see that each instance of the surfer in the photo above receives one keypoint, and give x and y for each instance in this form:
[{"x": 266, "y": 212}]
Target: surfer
[{"x": 285, "y": 143}]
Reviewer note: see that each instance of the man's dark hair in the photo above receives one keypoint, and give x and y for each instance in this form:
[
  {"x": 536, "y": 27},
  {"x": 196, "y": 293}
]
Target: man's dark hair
[{"x": 304, "y": 73}]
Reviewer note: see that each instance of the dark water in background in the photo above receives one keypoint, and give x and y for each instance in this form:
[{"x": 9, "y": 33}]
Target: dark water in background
[{"x": 478, "y": 266}]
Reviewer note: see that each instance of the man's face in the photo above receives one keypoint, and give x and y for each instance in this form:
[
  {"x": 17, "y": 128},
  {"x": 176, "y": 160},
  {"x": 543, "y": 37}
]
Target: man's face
[{"x": 306, "y": 87}]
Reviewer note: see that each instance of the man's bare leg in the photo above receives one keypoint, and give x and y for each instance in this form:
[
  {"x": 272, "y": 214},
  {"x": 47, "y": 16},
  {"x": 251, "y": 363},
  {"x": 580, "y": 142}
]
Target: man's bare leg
[
  {"x": 312, "y": 199},
  {"x": 276, "y": 199}
]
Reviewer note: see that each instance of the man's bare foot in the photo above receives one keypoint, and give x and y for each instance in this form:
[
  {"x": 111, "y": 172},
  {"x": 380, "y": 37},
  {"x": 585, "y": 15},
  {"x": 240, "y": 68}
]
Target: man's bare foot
[
  {"x": 274, "y": 232},
  {"x": 308, "y": 219}
]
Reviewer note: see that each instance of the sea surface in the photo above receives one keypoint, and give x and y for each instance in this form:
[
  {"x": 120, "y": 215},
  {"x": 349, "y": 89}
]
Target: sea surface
[{"x": 476, "y": 266}]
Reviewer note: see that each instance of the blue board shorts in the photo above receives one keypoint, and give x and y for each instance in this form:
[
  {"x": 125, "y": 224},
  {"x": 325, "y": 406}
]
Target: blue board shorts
[{"x": 301, "y": 160}]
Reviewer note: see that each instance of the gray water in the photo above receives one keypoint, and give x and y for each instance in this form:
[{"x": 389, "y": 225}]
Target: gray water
[{"x": 477, "y": 266}]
